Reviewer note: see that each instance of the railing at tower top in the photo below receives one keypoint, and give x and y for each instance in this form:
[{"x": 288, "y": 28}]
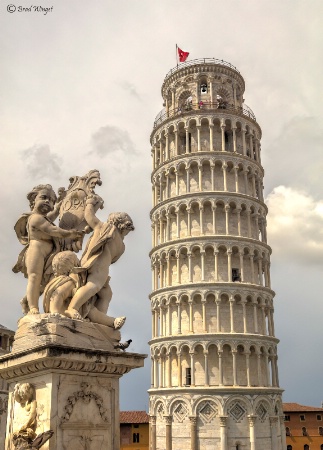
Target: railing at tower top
[
  {"x": 181, "y": 110},
  {"x": 193, "y": 62}
]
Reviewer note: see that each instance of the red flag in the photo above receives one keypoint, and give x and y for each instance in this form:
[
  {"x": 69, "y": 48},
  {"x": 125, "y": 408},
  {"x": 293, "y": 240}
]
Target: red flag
[{"x": 182, "y": 55}]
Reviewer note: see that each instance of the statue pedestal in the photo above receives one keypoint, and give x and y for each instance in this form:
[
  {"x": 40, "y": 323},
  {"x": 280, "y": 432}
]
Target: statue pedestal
[{"x": 77, "y": 389}]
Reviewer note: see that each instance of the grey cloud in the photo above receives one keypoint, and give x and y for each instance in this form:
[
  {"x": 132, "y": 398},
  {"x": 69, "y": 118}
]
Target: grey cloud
[
  {"x": 40, "y": 161},
  {"x": 111, "y": 139},
  {"x": 130, "y": 89}
]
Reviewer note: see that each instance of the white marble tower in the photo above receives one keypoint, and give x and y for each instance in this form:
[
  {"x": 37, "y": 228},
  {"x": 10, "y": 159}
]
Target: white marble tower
[{"x": 213, "y": 348}]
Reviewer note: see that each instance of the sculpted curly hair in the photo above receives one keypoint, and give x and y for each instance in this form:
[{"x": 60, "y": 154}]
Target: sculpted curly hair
[
  {"x": 33, "y": 194},
  {"x": 64, "y": 262},
  {"x": 121, "y": 220}
]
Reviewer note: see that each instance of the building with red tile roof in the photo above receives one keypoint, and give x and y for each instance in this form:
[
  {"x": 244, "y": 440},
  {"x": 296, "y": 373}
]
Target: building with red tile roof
[
  {"x": 134, "y": 430},
  {"x": 304, "y": 426}
]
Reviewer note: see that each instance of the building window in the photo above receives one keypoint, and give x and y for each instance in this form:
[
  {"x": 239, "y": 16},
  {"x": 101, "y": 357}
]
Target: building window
[
  {"x": 319, "y": 417},
  {"x": 321, "y": 447},
  {"x": 136, "y": 426},
  {"x": 135, "y": 437},
  {"x": 321, "y": 431},
  {"x": 188, "y": 376},
  {"x": 236, "y": 275},
  {"x": 289, "y": 447},
  {"x": 302, "y": 417},
  {"x": 287, "y": 418},
  {"x": 287, "y": 431},
  {"x": 304, "y": 431},
  {"x": 306, "y": 447}
]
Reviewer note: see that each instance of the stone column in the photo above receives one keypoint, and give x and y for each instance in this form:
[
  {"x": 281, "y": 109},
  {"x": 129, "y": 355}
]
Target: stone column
[
  {"x": 249, "y": 223},
  {"x": 178, "y": 257},
  {"x": 241, "y": 267},
  {"x": 169, "y": 372},
  {"x": 218, "y": 323},
  {"x": 255, "y": 316},
  {"x": 260, "y": 382},
  {"x": 167, "y": 146},
  {"x": 245, "y": 176},
  {"x": 211, "y": 136},
  {"x": 177, "y": 212},
  {"x": 198, "y": 138},
  {"x": 168, "y": 421},
  {"x": 231, "y": 301},
  {"x": 244, "y": 150},
  {"x": 176, "y": 182},
  {"x": 193, "y": 420},
  {"x": 192, "y": 369},
  {"x": 204, "y": 315},
  {"x": 248, "y": 368},
  {"x": 187, "y": 149},
  {"x": 283, "y": 431},
  {"x": 179, "y": 324},
  {"x": 152, "y": 426},
  {"x": 167, "y": 185},
  {"x": 223, "y": 137},
  {"x": 223, "y": 432},
  {"x": 212, "y": 176},
  {"x": 273, "y": 432},
  {"x": 179, "y": 369},
  {"x": 187, "y": 179},
  {"x": 252, "y": 420},
  {"x": 202, "y": 265},
  {"x": 200, "y": 169},
  {"x": 206, "y": 369},
  {"x": 189, "y": 212},
  {"x": 234, "y": 138},
  {"x": 190, "y": 278},
  {"x": 224, "y": 169},
  {"x": 251, "y": 256},
  {"x": 227, "y": 209},
  {"x": 201, "y": 220},
  {"x": 239, "y": 220},
  {"x": 236, "y": 178},
  {"x": 243, "y": 302},
  {"x": 216, "y": 275},
  {"x": 220, "y": 368},
  {"x": 229, "y": 253},
  {"x": 234, "y": 366},
  {"x": 190, "y": 304},
  {"x": 214, "y": 218},
  {"x": 176, "y": 142}
]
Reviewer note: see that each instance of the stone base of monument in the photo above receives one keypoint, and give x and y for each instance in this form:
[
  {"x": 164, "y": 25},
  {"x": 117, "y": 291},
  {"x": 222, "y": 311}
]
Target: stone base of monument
[{"x": 75, "y": 372}]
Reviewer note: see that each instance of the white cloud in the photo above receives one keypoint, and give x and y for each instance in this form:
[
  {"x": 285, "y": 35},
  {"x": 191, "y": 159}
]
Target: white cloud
[
  {"x": 41, "y": 162},
  {"x": 295, "y": 226},
  {"x": 111, "y": 139}
]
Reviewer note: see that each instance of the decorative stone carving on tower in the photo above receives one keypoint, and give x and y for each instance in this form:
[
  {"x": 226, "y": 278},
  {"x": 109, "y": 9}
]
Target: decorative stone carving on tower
[{"x": 213, "y": 347}]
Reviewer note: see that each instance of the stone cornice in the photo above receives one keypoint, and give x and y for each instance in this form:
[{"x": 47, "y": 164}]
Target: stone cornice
[
  {"x": 226, "y": 286},
  {"x": 216, "y": 155},
  {"x": 207, "y": 195},
  {"x": 57, "y": 358}
]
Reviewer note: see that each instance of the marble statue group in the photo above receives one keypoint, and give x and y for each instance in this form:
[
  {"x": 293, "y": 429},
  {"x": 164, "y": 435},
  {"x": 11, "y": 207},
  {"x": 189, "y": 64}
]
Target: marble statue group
[{"x": 71, "y": 287}]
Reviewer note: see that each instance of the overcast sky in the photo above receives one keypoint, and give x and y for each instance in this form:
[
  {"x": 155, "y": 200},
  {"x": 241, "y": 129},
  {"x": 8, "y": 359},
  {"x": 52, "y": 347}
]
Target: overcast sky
[{"x": 80, "y": 88}]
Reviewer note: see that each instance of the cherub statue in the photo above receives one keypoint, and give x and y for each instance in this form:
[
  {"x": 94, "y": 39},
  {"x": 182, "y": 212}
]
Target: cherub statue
[
  {"x": 25, "y": 417},
  {"x": 103, "y": 249},
  {"x": 60, "y": 290},
  {"x": 40, "y": 236}
]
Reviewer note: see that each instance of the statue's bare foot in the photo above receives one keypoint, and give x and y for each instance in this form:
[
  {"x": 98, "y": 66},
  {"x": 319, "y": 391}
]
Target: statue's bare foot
[
  {"x": 119, "y": 322},
  {"x": 33, "y": 311},
  {"x": 73, "y": 314}
]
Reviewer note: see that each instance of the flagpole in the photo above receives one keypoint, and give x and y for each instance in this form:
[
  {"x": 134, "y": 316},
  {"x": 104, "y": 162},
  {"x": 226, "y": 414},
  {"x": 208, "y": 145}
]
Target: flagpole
[{"x": 176, "y": 56}]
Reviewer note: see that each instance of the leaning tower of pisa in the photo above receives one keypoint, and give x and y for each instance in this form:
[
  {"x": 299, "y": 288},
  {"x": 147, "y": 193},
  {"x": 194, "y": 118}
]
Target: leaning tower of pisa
[{"x": 214, "y": 380}]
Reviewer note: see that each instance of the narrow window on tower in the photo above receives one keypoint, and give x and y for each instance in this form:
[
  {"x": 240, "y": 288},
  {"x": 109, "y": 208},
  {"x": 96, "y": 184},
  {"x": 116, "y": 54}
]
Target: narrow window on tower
[
  {"x": 288, "y": 431},
  {"x": 135, "y": 437},
  {"x": 189, "y": 142},
  {"x": 188, "y": 376},
  {"x": 304, "y": 431},
  {"x": 321, "y": 431},
  {"x": 236, "y": 275}
]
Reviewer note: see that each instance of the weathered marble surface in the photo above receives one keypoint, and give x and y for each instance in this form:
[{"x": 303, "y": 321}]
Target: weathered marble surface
[
  {"x": 77, "y": 393},
  {"x": 42, "y": 329}
]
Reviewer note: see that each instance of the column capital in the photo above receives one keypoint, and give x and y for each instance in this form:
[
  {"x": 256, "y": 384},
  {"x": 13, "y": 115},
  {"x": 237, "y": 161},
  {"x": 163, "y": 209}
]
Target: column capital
[
  {"x": 168, "y": 419},
  {"x": 273, "y": 420},
  {"x": 152, "y": 420},
  {"x": 193, "y": 419},
  {"x": 252, "y": 420},
  {"x": 223, "y": 421}
]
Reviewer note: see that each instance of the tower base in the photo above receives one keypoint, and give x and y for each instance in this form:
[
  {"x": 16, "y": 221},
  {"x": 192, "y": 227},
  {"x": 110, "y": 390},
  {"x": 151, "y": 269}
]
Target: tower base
[{"x": 76, "y": 390}]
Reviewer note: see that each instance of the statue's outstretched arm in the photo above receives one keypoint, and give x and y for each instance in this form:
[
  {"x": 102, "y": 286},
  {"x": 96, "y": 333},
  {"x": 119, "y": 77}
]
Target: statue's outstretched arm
[{"x": 93, "y": 203}]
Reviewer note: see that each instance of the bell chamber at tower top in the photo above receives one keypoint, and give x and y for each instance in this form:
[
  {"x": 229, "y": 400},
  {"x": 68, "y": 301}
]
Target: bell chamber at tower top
[{"x": 204, "y": 111}]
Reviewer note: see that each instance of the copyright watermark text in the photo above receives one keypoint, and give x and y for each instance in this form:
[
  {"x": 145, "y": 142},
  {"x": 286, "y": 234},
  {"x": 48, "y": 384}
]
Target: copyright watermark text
[{"x": 40, "y": 9}]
